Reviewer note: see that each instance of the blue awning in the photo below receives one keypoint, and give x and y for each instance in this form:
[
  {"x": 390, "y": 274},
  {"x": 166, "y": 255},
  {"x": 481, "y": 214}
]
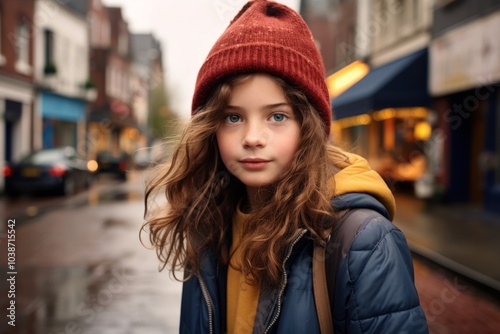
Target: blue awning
[
  {"x": 62, "y": 108},
  {"x": 401, "y": 83}
]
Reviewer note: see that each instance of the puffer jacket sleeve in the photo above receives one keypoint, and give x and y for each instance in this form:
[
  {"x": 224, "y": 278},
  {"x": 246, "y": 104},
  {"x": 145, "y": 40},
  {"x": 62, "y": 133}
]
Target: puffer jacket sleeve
[{"x": 374, "y": 290}]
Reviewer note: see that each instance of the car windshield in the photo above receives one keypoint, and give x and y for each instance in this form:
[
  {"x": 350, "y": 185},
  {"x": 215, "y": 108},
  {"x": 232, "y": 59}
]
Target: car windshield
[{"x": 44, "y": 157}]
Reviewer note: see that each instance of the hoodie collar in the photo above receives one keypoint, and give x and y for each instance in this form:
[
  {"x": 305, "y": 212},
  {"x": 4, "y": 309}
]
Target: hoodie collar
[{"x": 358, "y": 177}]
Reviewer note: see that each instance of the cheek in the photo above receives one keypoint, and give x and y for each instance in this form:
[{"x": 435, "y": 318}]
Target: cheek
[
  {"x": 290, "y": 151},
  {"x": 223, "y": 145},
  {"x": 290, "y": 146},
  {"x": 227, "y": 152}
]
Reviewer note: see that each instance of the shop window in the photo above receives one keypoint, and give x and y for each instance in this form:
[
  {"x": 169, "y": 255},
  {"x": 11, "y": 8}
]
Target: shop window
[
  {"x": 64, "y": 134},
  {"x": 359, "y": 140}
]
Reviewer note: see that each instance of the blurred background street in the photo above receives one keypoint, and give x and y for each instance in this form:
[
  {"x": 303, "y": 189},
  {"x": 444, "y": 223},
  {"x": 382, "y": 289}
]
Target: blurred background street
[
  {"x": 81, "y": 267},
  {"x": 90, "y": 89}
]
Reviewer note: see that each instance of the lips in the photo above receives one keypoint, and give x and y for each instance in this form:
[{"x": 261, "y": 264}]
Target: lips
[{"x": 254, "y": 163}]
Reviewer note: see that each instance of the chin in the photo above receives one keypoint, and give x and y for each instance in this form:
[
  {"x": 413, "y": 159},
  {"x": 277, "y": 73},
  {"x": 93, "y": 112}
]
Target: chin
[{"x": 257, "y": 184}]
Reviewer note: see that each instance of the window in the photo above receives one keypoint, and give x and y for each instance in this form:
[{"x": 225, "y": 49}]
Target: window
[
  {"x": 21, "y": 39},
  {"x": 23, "y": 42},
  {"x": 49, "y": 52}
]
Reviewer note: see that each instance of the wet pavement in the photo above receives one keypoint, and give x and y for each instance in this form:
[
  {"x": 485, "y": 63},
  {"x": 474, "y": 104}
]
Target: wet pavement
[
  {"x": 460, "y": 237},
  {"x": 456, "y": 255},
  {"x": 104, "y": 190},
  {"x": 453, "y": 304},
  {"x": 82, "y": 269}
]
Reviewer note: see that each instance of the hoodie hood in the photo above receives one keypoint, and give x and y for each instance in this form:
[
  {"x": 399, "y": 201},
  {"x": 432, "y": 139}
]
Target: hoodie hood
[{"x": 357, "y": 185}]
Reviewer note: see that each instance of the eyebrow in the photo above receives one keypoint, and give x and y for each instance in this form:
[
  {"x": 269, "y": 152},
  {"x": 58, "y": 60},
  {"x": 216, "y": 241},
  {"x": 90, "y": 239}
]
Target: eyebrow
[{"x": 269, "y": 106}]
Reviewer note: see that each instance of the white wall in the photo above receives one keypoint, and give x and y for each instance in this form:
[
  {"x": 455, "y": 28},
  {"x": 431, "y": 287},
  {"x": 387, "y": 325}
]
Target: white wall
[{"x": 71, "y": 47}]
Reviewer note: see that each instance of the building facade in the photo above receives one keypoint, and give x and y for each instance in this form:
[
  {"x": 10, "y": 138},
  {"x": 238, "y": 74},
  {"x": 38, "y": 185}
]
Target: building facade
[
  {"x": 464, "y": 84},
  {"x": 16, "y": 80},
  {"x": 61, "y": 76},
  {"x": 112, "y": 123},
  {"x": 147, "y": 78},
  {"x": 333, "y": 25},
  {"x": 384, "y": 116},
  {"x": 67, "y": 78}
]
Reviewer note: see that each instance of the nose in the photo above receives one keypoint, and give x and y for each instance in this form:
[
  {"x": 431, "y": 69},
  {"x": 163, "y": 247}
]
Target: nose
[{"x": 254, "y": 136}]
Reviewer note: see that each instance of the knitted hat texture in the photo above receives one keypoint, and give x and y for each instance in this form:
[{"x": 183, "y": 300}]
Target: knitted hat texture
[{"x": 267, "y": 37}]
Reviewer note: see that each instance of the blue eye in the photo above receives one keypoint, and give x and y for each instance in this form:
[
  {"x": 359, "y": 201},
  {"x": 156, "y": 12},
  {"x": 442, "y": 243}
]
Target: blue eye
[
  {"x": 278, "y": 117},
  {"x": 232, "y": 118}
]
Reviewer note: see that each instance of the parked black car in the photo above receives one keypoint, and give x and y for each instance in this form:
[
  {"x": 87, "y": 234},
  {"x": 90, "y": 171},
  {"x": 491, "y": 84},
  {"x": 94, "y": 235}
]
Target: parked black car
[
  {"x": 113, "y": 163},
  {"x": 56, "y": 170}
]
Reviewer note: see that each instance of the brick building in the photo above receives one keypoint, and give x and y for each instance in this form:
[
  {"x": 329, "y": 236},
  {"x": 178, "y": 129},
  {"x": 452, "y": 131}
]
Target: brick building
[{"x": 16, "y": 79}]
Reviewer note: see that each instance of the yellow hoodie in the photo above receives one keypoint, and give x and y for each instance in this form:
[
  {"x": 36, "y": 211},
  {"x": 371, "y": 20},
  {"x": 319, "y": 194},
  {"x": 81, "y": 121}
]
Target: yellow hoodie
[{"x": 357, "y": 177}]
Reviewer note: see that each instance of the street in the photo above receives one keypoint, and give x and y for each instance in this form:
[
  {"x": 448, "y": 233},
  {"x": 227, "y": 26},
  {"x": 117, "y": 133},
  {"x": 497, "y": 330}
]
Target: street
[{"x": 80, "y": 268}]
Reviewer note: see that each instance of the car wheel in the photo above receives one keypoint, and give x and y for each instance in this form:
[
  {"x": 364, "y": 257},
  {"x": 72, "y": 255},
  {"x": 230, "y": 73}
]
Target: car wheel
[{"x": 69, "y": 186}]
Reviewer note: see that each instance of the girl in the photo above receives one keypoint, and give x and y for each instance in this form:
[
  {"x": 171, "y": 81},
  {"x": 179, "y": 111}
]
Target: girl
[{"x": 254, "y": 184}]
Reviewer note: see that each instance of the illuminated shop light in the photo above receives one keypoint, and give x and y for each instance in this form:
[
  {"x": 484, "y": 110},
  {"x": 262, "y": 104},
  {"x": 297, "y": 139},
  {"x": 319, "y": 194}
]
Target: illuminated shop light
[
  {"x": 348, "y": 122},
  {"x": 422, "y": 131},
  {"x": 344, "y": 78}
]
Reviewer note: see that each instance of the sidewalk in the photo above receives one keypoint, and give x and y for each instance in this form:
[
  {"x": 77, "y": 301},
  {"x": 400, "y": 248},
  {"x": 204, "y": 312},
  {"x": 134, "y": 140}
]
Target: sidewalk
[{"x": 462, "y": 238}]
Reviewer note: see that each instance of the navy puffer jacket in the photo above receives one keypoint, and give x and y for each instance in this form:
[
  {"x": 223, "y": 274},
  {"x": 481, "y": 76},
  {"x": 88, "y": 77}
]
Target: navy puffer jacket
[{"x": 374, "y": 287}]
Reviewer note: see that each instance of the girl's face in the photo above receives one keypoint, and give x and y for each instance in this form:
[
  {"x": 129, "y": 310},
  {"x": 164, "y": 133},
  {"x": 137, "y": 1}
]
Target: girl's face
[{"x": 259, "y": 135}]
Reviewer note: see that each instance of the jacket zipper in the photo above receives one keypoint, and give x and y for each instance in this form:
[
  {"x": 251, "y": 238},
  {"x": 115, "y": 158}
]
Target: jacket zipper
[
  {"x": 282, "y": 288},
  {"x": 206, "y": 296}
]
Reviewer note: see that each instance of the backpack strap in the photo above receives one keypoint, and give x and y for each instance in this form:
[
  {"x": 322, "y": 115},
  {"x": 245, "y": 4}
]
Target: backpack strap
[
  {"x": 320, "y": 289},
  {"x": 326, "y": 260}
]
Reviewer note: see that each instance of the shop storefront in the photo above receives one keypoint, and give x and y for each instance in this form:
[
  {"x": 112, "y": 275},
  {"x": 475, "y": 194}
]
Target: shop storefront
[
  {"x": 112, "y": 128},
  {"x": 385, "y": 117},
  {"x": 62, "y": 120},
  {"x": 465, "y": 82}
]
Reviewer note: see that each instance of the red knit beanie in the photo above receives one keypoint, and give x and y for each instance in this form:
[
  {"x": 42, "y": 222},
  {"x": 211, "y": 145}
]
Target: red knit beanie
[{"x": 271, "y": 38}]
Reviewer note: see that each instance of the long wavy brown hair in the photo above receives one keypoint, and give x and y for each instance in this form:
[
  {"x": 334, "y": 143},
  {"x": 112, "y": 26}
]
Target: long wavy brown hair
[{"x": 202, "y": 196}]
